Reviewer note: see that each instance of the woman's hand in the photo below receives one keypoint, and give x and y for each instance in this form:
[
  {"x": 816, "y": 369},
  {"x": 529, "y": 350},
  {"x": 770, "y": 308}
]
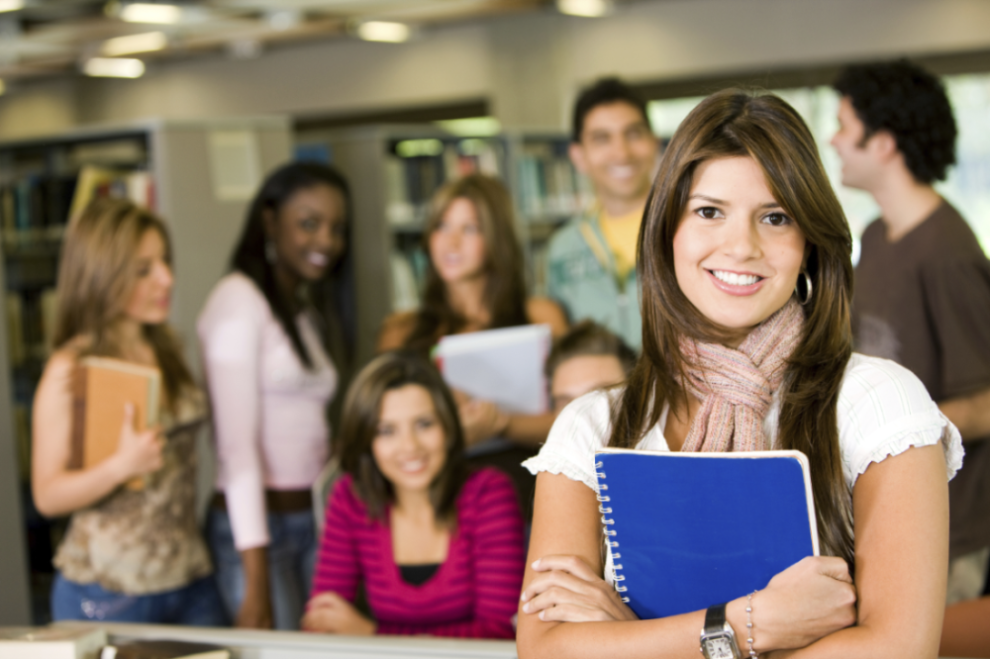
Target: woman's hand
[
  {"x": 138, "y": 453},
  {"x": 330, "y": 613},
  {"x": 567, "y": 590},
  {"x": 809, "y": 600},
  {"x": 480, "y": 419}
]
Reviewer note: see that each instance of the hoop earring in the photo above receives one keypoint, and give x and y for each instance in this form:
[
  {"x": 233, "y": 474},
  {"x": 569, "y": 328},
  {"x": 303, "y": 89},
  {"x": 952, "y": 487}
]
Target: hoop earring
[
  {"x": 807, "y": 285},
  {"x": 270, "y": 254}
]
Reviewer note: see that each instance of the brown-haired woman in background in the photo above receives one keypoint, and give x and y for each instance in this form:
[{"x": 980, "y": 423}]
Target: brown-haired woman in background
[
  {"x": 474, "y": 281},
  {"x": 128, "y": 555},
  {"x": 746, "y": 274},
  {"x": 438, "y": 548}
]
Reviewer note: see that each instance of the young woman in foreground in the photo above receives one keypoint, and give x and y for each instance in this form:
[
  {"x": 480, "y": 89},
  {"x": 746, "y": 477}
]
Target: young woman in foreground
[
  {"x": 438, "y": 549},
  {"x": 128, "y": 555},
  {"x": 746, "y": 275}
]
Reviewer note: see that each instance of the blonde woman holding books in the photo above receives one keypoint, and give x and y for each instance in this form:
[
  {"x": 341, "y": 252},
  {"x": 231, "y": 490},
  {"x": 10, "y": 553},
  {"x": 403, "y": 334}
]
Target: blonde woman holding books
[
  {"x": 129, "y": 555},
  {"x": 744, "y": 260}
]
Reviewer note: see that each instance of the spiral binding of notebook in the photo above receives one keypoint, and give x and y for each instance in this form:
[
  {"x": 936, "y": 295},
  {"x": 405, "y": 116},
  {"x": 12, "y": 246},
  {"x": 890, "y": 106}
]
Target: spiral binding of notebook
[{"x": 610, "y": 534}]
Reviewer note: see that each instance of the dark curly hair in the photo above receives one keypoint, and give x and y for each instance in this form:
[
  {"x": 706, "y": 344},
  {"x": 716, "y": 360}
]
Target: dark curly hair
[
  {"x": 910, "y": 103},
  {"x": 604, "y": 92}
]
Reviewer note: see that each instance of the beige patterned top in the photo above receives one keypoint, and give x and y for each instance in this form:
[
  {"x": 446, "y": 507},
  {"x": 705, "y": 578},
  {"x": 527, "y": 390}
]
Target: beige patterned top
[{"x": 145, "y": 541}]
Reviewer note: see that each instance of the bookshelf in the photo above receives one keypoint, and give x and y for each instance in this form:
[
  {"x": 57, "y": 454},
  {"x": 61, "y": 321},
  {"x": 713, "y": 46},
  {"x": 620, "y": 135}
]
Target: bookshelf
[
  {"x": 199, "y": 176},
  {"x": 394, "y": 170}
]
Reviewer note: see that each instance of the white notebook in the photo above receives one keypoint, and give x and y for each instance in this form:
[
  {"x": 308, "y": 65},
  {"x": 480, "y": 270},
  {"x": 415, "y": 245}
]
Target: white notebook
[{"x": 504, "y": 366}]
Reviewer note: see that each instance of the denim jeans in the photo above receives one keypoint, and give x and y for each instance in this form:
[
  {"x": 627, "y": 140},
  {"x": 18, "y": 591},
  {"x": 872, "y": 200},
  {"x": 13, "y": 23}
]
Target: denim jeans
[
  {"x": 291, "y": 554},
  {"x": 197, "y": 604}
]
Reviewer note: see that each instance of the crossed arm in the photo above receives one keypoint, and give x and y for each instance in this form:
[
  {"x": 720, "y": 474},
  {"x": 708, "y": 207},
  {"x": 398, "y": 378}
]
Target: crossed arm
[{"x": 901, "y": 510}]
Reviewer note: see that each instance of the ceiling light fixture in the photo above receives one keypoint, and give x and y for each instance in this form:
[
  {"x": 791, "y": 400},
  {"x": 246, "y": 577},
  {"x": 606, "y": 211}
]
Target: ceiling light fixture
[
  {"x": 586, "y": 8},
  {"x": 145, "y": 42},
  {"x": 144, "y": 12},
  {"x": 384, "y": 31},
  {"x": 114, "y": 67},
  {"x": 11, "y": 5}
]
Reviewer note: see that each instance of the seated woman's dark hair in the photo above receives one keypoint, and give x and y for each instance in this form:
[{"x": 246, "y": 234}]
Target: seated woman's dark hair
[
  {"x": 359, "y": 426},
  {"x": 249, "y": 256}
]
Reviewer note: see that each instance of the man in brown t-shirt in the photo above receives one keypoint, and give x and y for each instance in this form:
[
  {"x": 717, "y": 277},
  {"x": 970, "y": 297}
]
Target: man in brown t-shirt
[{"x": 922, "y": 295}]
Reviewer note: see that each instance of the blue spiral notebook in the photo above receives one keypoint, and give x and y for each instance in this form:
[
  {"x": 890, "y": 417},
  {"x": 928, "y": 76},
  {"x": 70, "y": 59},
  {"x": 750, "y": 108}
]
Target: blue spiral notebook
[{"x": 690, "y": 530}]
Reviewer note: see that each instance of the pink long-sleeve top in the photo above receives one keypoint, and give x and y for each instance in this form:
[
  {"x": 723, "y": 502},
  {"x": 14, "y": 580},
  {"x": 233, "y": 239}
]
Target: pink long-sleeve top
[
  {"x": 475, "y": 591},
  {"x": 269, "y": 418}
]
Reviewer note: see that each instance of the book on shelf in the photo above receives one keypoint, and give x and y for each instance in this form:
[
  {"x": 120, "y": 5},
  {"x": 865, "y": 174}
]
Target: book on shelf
[
  {"x": 411, "y": 180},
  {"x": 503, "y": 366},
  {"x": 51, "y": 642},
  {"x": 163, "y": 649},
  {"x": 95, "y": 182},
  {"x": 102, "y": 388},
  {"x": 548, "y": 183},
  {"x": 681, "y": 538},
  {"x": 34, "y": 207}
]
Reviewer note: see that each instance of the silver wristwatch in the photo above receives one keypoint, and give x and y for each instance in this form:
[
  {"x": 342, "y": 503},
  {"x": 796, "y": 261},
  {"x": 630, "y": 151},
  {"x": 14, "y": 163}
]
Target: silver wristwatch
[{"x": 717, "y": 638}]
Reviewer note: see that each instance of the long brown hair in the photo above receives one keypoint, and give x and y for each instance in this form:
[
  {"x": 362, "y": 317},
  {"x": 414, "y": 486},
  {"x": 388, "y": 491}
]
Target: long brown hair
[
  {"x": 96, "y": 276},
  {"x": 765, "y": 128},
  {"x": 505, "y": 292},
  {"x": 359, "y": 426}
]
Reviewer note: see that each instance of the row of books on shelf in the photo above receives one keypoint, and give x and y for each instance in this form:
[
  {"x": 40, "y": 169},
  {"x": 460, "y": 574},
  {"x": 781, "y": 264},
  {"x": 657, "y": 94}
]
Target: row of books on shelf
[
  {"x": 37, "y": 207},
  {"x": 548, "y": 183},
  {"x": 411, "y": 179},
  {"x": 30, "y": 325}
]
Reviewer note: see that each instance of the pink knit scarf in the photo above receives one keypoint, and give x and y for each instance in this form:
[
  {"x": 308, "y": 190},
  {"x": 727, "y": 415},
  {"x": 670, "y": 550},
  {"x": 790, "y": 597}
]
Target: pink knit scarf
[{"x": 736, "y": 387}]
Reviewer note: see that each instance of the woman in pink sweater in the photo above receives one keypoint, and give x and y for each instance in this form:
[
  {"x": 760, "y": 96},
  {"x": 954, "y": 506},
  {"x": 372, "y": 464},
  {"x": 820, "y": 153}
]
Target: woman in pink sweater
[{"x": 438, "y": 549}]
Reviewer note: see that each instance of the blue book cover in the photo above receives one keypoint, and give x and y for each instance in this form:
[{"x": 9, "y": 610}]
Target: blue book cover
[{"x": 690, "y": 530}]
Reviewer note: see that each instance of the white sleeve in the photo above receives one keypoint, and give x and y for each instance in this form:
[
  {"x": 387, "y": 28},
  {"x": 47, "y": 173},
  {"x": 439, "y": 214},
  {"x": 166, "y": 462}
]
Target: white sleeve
[
  {"x": 230, "y": 330},
  {"x": 883, "y": 410},
  {"x": 580, "y": 429}
]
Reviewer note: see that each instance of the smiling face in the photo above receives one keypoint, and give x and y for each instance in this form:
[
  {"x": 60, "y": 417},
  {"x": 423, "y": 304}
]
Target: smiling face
[
  {"x": 309, "y": 232},
  {"x": 617, "y": 152},
  {"x": 151, "y": 296},
  {"x": 457, "y": 243},
  {"x": 737, "y": 254},
  {"x": 410, "y": 443}
]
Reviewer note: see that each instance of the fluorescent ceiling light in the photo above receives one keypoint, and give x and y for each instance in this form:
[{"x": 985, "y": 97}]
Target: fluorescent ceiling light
[
  {"x": 588, "y": 8},
  {"x": 111, "y": 67},
  {"x": 471, "y": 127},
  {"x": 134, "y": 43},
  {"x": 416, "y": 148},
  {"x": 143, "y": 12},
  {"x": 383, "y": 31},
  {"x": 11, "y": 5}
]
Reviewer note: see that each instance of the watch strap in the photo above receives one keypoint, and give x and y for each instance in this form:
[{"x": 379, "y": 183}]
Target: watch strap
[{"x": 715, "y": 619}]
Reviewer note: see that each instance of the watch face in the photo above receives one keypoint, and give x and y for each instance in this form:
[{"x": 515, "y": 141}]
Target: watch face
[{"x": 719, "y": 647}]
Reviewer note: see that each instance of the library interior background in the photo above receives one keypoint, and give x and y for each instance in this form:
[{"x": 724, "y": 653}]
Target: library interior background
[{"x": 186, "y": 113}]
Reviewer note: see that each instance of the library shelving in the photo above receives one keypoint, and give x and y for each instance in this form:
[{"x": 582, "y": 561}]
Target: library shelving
[
  {"x": 199, "y": 176},
  {"x": 394, "y": 171}
]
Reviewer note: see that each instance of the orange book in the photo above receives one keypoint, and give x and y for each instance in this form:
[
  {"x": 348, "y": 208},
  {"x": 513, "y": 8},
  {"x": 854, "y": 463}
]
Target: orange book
[{"x": 103, "y": 387}]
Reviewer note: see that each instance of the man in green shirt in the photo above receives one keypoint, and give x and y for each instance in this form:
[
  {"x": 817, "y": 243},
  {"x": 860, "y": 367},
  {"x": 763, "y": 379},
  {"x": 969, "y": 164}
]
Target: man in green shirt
[{"x": 591, "y": 261}]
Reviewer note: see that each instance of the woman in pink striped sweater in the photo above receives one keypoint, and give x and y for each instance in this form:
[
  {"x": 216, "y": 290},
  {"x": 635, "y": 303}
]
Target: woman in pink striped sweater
[{"x": 438, "y": 549}]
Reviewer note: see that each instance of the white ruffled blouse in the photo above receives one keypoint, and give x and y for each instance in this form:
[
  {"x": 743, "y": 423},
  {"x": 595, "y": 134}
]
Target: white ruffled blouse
[{"x": 883, "y": 410}]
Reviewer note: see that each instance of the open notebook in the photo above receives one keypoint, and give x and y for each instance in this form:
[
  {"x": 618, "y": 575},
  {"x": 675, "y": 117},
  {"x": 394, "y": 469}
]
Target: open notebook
[{"x": 504, "y": 366}]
